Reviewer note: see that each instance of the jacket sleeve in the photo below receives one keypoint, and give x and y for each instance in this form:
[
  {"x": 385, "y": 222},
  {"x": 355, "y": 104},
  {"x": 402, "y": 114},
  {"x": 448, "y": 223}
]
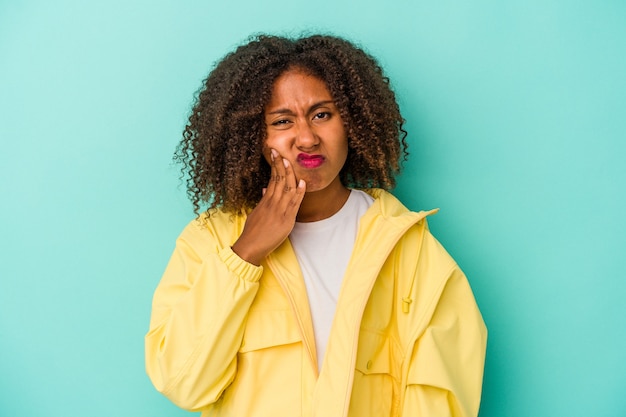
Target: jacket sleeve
[
  {"x": 446, "y": 366},
  {"x": 198, "y": 316}
]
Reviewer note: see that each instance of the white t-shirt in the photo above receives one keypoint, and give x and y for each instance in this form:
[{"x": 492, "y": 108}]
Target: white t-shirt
[{"x": 323, "y": 249}]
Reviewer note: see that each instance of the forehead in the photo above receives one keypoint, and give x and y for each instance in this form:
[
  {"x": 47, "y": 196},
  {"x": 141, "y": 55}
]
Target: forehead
[{"x": 296, "y": 86}]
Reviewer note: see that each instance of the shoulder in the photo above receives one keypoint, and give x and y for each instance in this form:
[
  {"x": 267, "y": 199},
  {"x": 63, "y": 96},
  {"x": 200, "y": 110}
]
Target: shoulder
[
  {"x": 216, "y": 228},
  {"x": 389, "y": 223},
  {"x": 417, "y": 251},
  {"x": 389, "y": 208}
]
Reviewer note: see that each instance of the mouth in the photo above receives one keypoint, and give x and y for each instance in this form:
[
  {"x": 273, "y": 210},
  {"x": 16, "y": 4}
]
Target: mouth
[{"x": 310, "y": 161}]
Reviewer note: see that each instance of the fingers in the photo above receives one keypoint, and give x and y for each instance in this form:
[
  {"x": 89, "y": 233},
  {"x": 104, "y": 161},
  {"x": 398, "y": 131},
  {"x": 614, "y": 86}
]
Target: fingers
[
  {"x": 282, "y": 176},
  {"x": 299, "y": 194},
  {"x": 269, "y": 190},
  {"x": 283, "y": 193},
  {"x": 280, "y": 169},
  {"x": 290, "y": 177}
]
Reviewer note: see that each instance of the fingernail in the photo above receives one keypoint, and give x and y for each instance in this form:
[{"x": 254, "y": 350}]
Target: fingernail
[
  {"x": 301, "y": 183},
  {"x": 286, "y": 163},
  {"x": 274, "y": 154}
]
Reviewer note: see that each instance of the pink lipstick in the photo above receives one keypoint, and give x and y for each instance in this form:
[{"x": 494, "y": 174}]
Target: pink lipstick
[{"x": 310, "y": 161}]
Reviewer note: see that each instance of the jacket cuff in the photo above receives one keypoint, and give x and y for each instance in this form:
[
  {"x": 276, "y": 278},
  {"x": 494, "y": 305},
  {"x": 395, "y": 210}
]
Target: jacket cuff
[{"x": 239, "y": 267}]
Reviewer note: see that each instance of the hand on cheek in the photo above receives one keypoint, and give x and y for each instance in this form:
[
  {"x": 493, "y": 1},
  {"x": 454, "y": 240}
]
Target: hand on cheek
[{"x": 271, "y": 221}]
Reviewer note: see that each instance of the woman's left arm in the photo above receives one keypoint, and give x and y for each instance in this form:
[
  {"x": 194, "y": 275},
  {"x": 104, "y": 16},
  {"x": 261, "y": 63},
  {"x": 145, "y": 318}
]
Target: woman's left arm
[{"x": 446, "y": 366}]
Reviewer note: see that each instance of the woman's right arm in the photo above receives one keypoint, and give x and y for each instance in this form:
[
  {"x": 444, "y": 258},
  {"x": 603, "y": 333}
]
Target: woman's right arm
[
  {"x": 198, "y": 316},
  {"x": 200, "y": 307}
]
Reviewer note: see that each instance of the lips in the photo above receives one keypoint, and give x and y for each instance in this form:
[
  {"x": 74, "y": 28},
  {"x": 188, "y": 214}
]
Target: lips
[{"x": 310, "y": 161}]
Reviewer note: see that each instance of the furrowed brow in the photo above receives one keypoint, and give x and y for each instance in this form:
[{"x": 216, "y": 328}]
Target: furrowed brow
[
  {"x": 281, "y": 111},
  {"x": 320, "y": 104},
  {"x": 312, "y": 108}
]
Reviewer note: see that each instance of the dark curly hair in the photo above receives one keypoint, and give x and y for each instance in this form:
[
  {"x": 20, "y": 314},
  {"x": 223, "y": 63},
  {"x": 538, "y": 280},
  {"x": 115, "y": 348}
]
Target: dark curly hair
[{"x": 221, "y": 149}]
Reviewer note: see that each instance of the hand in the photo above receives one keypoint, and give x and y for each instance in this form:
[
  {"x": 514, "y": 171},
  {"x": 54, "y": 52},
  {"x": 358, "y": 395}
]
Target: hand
[{"x": 271, "y": 221}]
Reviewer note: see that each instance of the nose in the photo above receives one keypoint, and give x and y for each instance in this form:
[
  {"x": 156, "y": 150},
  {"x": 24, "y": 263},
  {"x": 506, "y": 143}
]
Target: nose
[{"x": 306, "y": 138}]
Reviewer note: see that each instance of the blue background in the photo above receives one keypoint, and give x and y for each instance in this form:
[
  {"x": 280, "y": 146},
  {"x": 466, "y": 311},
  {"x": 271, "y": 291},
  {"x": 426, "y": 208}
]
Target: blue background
[{"x": 517, "y": 127}]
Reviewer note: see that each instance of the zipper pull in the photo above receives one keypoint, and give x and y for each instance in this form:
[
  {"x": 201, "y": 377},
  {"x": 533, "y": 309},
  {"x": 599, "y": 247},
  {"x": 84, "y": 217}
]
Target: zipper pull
[{"x": 406, "y": 304}]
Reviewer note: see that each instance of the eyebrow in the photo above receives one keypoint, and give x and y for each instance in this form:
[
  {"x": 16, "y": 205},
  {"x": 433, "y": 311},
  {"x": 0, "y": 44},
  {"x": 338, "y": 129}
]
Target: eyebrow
[{"x": 313, "y": 107}]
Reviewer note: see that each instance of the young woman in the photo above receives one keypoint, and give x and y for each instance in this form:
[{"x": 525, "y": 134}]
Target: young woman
[{"x": 306, "y": 289}]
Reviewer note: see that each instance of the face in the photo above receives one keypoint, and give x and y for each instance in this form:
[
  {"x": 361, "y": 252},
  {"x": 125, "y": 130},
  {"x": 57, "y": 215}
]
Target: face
[{"x": 304, "y": 126}]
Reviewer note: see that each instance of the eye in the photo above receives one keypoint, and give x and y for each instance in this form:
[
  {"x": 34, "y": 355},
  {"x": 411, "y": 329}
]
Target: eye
[
  {"x": 322, "y": 115},
  {"x": 280, "y": 122}
]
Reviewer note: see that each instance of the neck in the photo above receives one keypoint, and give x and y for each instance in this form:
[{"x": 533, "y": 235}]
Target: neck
[{"x": 320, "y": 205}]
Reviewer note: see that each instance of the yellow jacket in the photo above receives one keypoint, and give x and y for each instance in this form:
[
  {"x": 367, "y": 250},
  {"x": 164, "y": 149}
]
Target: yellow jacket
[{"x": 232, "y": 339}]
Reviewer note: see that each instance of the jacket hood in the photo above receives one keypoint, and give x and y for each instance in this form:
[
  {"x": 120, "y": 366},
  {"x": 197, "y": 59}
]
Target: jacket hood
[{"x": 386, "y": 206}]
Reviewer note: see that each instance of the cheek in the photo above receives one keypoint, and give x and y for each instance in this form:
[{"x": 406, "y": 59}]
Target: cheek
[
  {"x": 275, "y": 141},
  {"x": 344, "y": 149},
  {"x": 272, "y": 141}
]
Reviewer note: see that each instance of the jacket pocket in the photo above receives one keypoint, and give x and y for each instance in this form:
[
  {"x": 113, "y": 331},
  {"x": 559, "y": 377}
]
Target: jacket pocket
[
  {"x": 268, "y": 328},
  {"x": 269, "y": 368},
  {"x": 375, "y": 387}
]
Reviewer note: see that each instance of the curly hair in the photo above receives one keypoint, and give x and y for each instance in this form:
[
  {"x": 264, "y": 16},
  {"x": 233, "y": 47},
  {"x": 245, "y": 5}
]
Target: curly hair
[{"x": 221, "y": 148}]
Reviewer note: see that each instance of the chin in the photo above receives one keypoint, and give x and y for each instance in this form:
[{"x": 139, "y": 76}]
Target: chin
[{"x": 314, "y": 188}]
